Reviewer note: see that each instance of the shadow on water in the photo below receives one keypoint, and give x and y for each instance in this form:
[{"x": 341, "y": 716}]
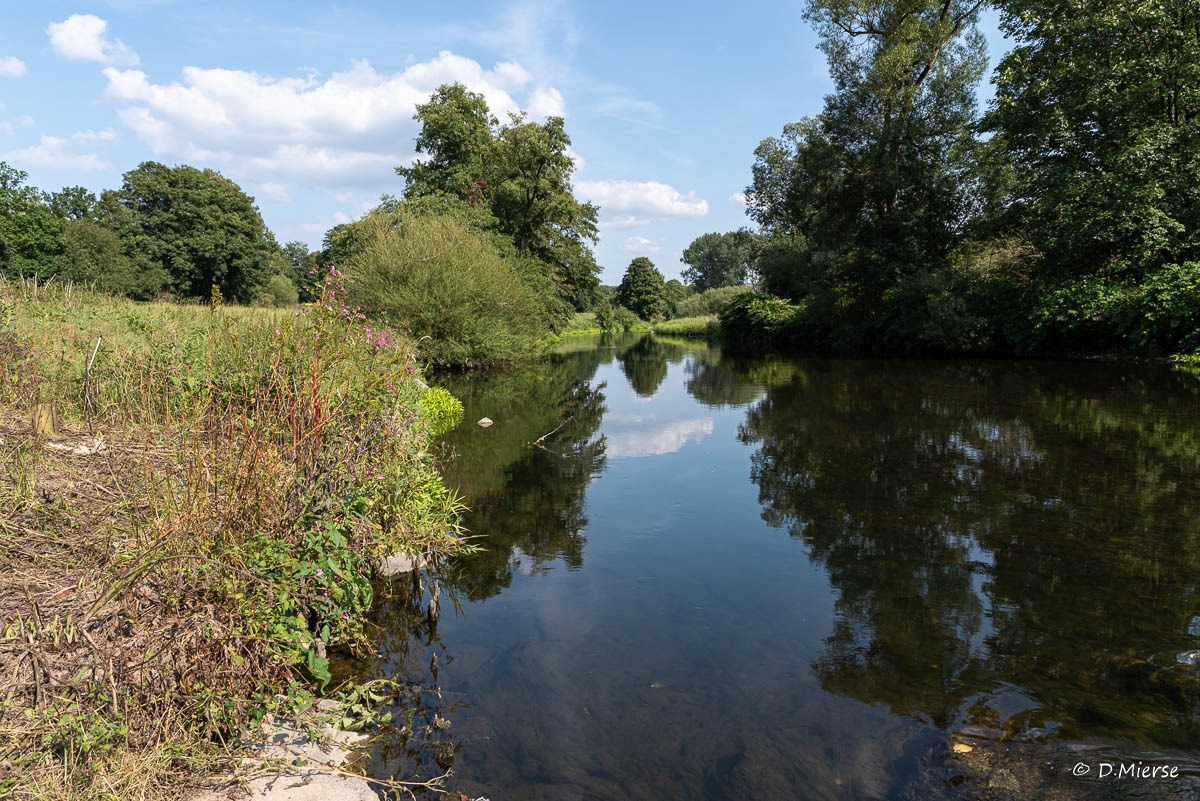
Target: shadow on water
[{"x": 998, "y": 565}]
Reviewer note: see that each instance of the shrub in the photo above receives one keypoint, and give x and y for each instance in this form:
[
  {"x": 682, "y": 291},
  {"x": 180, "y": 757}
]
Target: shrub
[
  {"x": 282, "y": 291},
  {"x": 440, "y": 410},
  {"x": 1163, "y": 314},
  {"x": 625, "y": 320},
  {"x": 465, "y": 303},
  {"x": 698, "y": 327},
  {"x": 708, "y": 302},
  {"x": 755, "y": 319}
]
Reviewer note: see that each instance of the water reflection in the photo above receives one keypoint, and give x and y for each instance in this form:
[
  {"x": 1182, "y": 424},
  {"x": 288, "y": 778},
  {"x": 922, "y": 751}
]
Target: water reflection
[
  {"x": 1002, "y": 555},
  {"x": 1029, "y": 525}
]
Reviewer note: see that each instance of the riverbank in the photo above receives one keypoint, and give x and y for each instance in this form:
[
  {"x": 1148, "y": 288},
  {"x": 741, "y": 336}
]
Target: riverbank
[{"x": 193, "y": 528}]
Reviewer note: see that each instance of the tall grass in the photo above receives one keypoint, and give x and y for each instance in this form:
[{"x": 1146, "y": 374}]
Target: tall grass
[{"x": 156, "y": 594}]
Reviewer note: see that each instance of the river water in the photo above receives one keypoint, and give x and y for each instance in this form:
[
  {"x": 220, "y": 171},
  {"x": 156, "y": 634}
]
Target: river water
[{"x": 723, "y": 578}]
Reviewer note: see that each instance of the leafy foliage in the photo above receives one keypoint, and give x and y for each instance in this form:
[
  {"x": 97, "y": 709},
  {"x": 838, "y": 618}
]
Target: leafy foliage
[
  {"x": 466, "y": 303},
  {"x": 643, "y": 290},
  {"x": 1097, "y": 112},
  {"x": 717, "y": 260},
  {"x": 195, "y": 227},
  {"x": 520, "y": 171}
]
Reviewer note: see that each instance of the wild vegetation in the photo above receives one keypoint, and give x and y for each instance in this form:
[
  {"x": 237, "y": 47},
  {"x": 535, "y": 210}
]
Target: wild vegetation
[{"x": 200, "y": 530}]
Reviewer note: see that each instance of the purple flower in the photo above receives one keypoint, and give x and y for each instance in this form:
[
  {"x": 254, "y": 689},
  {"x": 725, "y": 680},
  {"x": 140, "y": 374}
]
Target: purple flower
[
  {"x": 345, "y": 615},
  {"x": 319, "y": 572}
]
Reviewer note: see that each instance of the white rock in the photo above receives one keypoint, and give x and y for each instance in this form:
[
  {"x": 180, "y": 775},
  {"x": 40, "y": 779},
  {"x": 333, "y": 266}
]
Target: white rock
[
  {"x": 485, "y": 421},
  {"x": 399, "y": 563}
]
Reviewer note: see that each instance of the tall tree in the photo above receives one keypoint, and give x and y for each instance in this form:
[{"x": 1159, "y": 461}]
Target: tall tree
[
  {"x": 716, "y": 260},
  {"x": 521, "y": 172},
  {"x": 457, "y": 134},
  {"x": 31, "y": 235},
  {"x": 1098, "y": 109},
  {"x": 196, "y": 227},
  {"x": 643, "y": 290},
  {"x": 874, "y": 187}
]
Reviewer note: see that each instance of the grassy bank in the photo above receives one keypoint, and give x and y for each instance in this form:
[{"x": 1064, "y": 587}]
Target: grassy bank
[
  {"x": 690, "y": 327},
  {"x": 200, "y": 530}
]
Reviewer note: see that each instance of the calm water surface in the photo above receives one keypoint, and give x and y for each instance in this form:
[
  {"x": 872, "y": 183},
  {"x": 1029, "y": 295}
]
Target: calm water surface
[{"x": 813, "y": 579}]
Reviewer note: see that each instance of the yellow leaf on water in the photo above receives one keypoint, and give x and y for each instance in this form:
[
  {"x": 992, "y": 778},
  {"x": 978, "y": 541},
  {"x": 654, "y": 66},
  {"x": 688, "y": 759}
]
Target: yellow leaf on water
[{"x": 962, "y": 748}]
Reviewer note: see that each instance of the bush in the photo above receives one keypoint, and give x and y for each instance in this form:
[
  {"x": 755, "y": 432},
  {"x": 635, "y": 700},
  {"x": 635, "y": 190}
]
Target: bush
[
  {"x": 625, "y": 320},
  {"x": 93, "y": 255},
  {"x": 465, "y": 303},
  {"x": 440, "y": 410},
  {"x": 282, "y": 291},
  {"x": 754, "y": 319},
  {"x": 708, "y": 302},
  {"x": 1163, "y": 314}
]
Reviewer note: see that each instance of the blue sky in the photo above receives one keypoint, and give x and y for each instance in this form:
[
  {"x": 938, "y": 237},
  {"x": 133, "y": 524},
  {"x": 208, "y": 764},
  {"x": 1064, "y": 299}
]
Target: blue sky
[{"x": 308, "y": 105}]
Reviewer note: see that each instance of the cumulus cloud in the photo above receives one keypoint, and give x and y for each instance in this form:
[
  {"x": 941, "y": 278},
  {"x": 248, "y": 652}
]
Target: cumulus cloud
[
  {"x": 640, "y": 244},
  {"x": 54, "y": 152},
  {"x": 546, "y": 101},
  {"x": 80, "y": 37},
  {"x": 642, "y": 197},
  {"x": 738, "y": 199},
  {"x": 12, "y": 67},
  {"x": 348, "y": 129}
]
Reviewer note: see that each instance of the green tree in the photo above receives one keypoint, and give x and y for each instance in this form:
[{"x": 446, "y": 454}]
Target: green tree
[
  {"x": 876, "y": 185},
  {"x": 73, "y": 203},
  {"x": 676, "y": 293},
  {"x": 643, "y": 290},
  {"x": 94, "y": 255},
  {"x": 31, "y": 235},
  {"x": 457, "y": 134},
  {"x": 1098, "y": 110},
  {"x": 716, "y": 260},
  {"x": 196, "y": 226},
  {"x": 520, "y": 172}
]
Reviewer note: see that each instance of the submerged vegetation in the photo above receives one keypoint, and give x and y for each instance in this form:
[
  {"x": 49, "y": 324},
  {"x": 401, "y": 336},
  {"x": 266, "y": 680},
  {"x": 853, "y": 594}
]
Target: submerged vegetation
[{"x": 202, "y": 528}]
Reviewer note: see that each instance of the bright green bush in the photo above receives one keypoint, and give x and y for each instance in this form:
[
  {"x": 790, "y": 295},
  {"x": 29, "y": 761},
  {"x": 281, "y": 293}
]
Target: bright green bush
[
  {"x": 445, "y": 283},
  {"x": 696, "y": 327},
  {"x": 440, "y": 410}
]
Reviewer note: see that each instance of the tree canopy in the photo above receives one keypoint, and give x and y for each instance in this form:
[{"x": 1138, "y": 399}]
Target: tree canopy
[
  {"x": 520, "y": 171},
  {"x": 717, "y": 260},
  {"x": 643, "y": 290},
  {"x": 195, "y": 227}
]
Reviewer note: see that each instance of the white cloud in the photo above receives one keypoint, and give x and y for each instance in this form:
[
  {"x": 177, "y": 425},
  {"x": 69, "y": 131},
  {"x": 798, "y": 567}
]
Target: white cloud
[
  {"x": 53, "y": 152},
  {"x": 106, "y": 135},
  {"x": 546, "y": 101},
  {"x": 80, "y": 37},
  {"x": 6, "y": 126},
  {"x": 12, "y": 67},
  {"x": 26, "y": 121},
  {"x": 642, "y": 197},
  {"x": 738, "y": 199},
  {"x": 341, "y": 217},
  {"x": 342, "y": 197},
  {"x": 347, "y": 130},
  {"x": 640, "y": 244}
]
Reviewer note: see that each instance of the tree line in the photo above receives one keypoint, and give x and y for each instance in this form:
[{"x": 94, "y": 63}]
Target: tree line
[{"x": 1066, "y": 216}]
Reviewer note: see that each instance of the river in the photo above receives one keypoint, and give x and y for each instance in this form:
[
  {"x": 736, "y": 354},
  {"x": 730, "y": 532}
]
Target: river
[{"x": 723, "y": 578}]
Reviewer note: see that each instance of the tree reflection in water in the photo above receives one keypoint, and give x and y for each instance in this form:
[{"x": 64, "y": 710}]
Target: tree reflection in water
[{"x": 992, "y": 526}]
